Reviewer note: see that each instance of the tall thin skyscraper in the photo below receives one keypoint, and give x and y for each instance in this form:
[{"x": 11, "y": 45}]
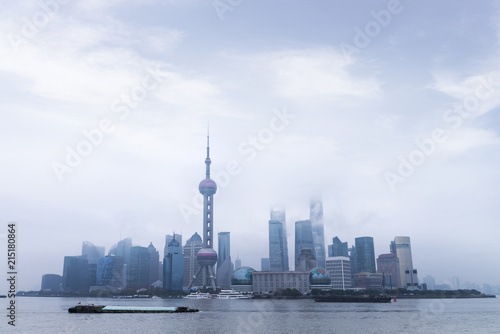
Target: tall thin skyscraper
[
  {"x": 401, "y": 247},
  {"x": 303, "y": 238},
  {"x": 140, "y": 268},
  {"x": 278, "y": 214},
  {"x": 173, "y": 267},
  {"x": 207, "y": 257},
  {"x": 154, "y": 264},
  {"x": 224, "y": 265},
  {"x": 318, "y": 231},
  {"x": 278, "y": 250},
  {"x": 365, "y": 251},
  {"x": 170, "y": 237}
]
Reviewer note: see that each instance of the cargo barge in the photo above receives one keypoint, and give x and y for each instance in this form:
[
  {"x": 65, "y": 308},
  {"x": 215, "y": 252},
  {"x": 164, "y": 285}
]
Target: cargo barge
[
  {"x": 353, "y": 299},
  {"x": 128, "y": 309}
]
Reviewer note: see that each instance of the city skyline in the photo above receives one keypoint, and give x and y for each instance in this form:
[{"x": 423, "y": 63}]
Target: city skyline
[{"x": 389, "y": 113}]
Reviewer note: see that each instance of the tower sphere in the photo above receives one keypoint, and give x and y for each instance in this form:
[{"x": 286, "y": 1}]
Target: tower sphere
[
  {"x": 207, "y": 186},
  {"x": 207, "y": 257}
]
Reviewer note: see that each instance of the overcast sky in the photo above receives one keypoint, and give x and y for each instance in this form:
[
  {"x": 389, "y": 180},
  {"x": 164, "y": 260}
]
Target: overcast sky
[{"x": 389, "y": 110}]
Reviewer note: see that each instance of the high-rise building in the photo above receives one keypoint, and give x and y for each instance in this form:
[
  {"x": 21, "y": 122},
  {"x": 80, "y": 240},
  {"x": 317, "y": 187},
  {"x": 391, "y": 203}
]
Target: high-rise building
[
  {"x": 265, "y": 281},
  {"x": 224, "y": 265},
  {"x": 278, "y": 259},
  {"x": 265, "y": 264},
  {"x": 51, "y": 282},
  {"x": 318, "y": 232},
  {"x": 111, "y": 272},
  {"x": 93, "y": 253},
  {"x": 365, "y": 254},
  {"x": 139, "y": 268},
  {"x": 154, "y": 260},
  {"x": 401, "y": 247},
  {"x": 388, "y": 265},
  {"x": 303, "y": 238},
  {"x": 173, "y": 267},
  {"x": 207, "y": 257},
  {"x": 339, "y": 268},
  {"x": 170, "y": 237},
  {"x": 278, "y": 214},
  {"x": 337, "y": 248},
  {"x": 76, "y": 274},
  {"x": 122, "y": 249},
  {"x": 430, "y": 281},
  {"x": 191, "y": 248}
]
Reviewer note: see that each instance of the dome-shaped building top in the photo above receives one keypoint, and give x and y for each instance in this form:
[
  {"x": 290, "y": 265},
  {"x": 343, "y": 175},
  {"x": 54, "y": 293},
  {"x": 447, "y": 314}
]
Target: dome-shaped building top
[
  {"x": 242, "y": 276},
  {"x": 207, "y": 257},
  {"x": 319, "y": 276}
]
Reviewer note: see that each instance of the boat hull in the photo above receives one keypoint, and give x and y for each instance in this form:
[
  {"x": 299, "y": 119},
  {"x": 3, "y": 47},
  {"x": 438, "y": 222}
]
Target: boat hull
[
  {"x": 353, "y": 299},
  {"x": 126, "y": 309}
]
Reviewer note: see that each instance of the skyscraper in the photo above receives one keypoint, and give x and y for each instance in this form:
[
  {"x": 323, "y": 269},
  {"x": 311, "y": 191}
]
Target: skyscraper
[
  {"x": 303, "y": 238},
  {"x": 388, "y": 265},
  {"x": 173, "y": 267},
  {"x": 339, "y": 268},
  {"x": 207, "y": 257},
  {"x": 76, "y": 274},
  {"x": 237, "y": 263},
  {"x": 365, "y": 251},
  {"x": 264, "y": 264},
  {"x": 278, "y": 214},
  {"x": 154, "y": 262},
  {"x": 169, "y": 238},
  {"x": 337, "y": 248},
  {"x": 93, "y": 253},
  {"x": 278, "y": 258},
  {"x": 401, "y": 247},
  {"x": 191, "y": 248},
  {"x": 139, "y": 269},
  {"x": 318, "y": 233},
  {"x": 111, "y": 272},
  {"x": 224, "y": 265}
]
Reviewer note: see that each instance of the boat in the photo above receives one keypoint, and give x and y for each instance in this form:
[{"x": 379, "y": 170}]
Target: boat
[
  {"x": 128, "y": 309},
  {"x": 231, "y": 294},
  {"x": 198, "y": 295},
  {"x": 353, "y": 299}
]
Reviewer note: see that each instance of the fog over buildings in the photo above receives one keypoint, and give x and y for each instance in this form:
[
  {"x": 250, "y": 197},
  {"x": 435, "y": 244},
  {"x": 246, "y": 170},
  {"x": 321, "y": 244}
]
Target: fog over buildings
[{"x": 389, "y": 112}]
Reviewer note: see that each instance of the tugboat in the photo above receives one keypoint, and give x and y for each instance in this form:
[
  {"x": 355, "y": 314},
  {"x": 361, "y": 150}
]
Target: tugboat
[{"x": 128, "y": 309}]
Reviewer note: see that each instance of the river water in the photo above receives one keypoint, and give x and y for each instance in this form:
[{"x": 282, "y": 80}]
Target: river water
[{"x": 50, "y": 315}]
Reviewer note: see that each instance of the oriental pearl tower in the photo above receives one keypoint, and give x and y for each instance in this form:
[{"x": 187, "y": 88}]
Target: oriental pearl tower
[{"x": 207, "y": 257}]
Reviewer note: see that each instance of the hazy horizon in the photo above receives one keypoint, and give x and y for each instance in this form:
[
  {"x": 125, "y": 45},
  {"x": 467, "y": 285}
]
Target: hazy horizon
[{"x": 388, "y": 110}]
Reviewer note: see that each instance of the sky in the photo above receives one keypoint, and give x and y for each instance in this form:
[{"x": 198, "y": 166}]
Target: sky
[{"x": 388, "y": 110}]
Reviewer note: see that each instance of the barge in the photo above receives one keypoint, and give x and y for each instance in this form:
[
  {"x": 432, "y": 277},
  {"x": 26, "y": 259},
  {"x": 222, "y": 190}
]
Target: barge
[
  {"x": 128, "y": 309},
  {"x": 353, "y": 299}
]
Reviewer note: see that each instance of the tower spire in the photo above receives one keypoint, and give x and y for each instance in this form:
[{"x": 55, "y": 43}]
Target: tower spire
[{"x": 207, "y": 160}]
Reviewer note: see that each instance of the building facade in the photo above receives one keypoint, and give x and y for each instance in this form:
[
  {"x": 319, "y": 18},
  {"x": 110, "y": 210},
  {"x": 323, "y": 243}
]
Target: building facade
[
  {"x": 318, "y": 231},
  {"x": 265, "y": 264},
  {"x": 339, "y": 268},
  {"x": 365, "y": 254},
  {"x": 278, "y": 258},
  {"x": 303, "y": 238},
  {"x": 278, "y": 214},
  {"x": 111, "y": 272},
  {"x": 173, "y": 267},
  {"x": 401, "y": 247},
  {"x": 388, "y": 266},
  {"x": 51, "y": 282},
  {"x": 224, "y": 264},
  {"x": 369, "y": 281},
  {"x": 154, "y": 264},
  {"x": 306, "y": 260},
  {"x": 76, "y": 274},
  {"x": 139, "y": 269},
  {"x": 191, "y": 248},
  {"x": 337, "y": 248},
  {"x": 272, "y": 281}
]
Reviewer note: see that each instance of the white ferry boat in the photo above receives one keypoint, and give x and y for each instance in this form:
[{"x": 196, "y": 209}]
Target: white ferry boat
[
  {"x": 198, "y": 295},
  {"x": 231, "y": 294}
]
